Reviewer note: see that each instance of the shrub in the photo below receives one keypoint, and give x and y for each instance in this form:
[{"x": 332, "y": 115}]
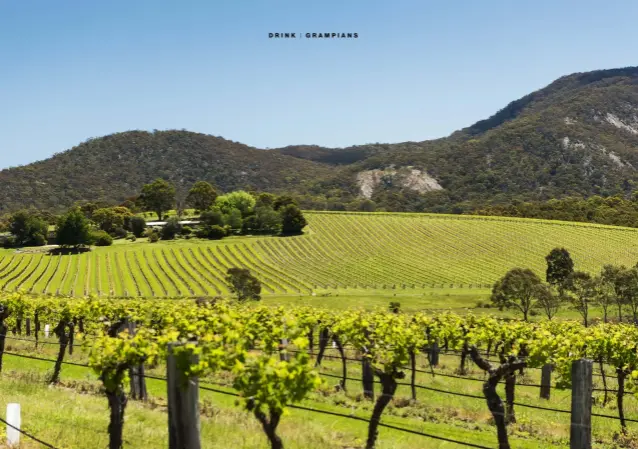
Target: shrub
[
  {"x": 153, "y": 236},
  {"x": 243, "y": 284},
  {"x": 293, "y": 220},
  {"x": 120, "y": 233},
  {"x": 211, "y": 232},
  {"x": 10, "y": 242},
  {"x": 138, "y": 226},
  {"x": 101, "y": 238},
  {"x": 395, "y": 307},
  {"x": 171, "y": 229},
  {"x": 212, "y": 217},
  {"x": 39, "y": 240},
  {"x": 187, "y": 230}
]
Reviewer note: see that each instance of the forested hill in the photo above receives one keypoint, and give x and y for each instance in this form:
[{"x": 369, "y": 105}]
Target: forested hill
[
  {"x": 576, "y": 137},
  {"x": 114, "y": 167}
]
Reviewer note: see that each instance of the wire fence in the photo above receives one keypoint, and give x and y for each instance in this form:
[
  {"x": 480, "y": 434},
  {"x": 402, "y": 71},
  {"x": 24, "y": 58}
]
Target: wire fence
[{"x": 348, "y": 416}]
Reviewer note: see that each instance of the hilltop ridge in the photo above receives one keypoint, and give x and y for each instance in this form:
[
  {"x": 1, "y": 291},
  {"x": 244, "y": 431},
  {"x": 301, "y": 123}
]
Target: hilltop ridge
[{"x": 578, "y": 136}]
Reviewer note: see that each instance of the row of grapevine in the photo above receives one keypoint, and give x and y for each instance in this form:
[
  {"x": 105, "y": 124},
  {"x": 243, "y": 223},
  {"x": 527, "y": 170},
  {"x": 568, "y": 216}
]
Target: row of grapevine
[{"x": 264, "y": 350}]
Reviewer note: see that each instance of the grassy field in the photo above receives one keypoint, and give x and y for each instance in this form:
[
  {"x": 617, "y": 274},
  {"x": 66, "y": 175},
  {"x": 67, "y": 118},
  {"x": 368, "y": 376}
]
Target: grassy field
[{"x": 339, "y": 252}]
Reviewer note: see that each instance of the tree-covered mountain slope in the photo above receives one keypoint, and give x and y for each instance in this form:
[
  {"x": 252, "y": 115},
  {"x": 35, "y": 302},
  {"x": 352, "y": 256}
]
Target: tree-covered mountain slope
[{"x": 576, "y": 137}]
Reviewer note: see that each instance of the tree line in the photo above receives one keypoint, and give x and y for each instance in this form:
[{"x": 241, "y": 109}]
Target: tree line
[
  {"x": 220, "y": 215},
  {"x": 614, "y": 290}
]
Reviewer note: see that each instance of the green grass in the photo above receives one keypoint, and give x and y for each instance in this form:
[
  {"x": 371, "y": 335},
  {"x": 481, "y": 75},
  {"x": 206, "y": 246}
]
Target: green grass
[{"x": 377, "y": 254}]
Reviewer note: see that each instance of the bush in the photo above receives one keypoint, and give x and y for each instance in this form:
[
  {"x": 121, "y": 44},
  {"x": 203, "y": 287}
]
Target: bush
[
  {"x": 10, "y": 242},
  {"x": 138, "y": 226},
  {"x": 153, "y": 236},
  {"x": 395, "y": 307},
  {"x": 39, "y": 240},
  {"x": 212, "y": 217},
  {"x": 101, "y": 238},
  {"x": 187, "y": 230},
  {"x": 171, "y": 229},
  {"x": 120, "y": 233},
  {"x": 211, "y": 232}
]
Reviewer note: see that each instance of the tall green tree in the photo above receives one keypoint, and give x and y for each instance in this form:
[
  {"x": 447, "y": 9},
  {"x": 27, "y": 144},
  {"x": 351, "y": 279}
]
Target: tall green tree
[
  {"x": 73, "y": 229},
  {"x": 28, "y": 229},
  {"x": 547, "y": 300},
  {"x": 559, "y": 267},
  {"x": 283, "y": 201},
  {"x": 610, "y": 274},
  {"x": 292, "y": 220},
  {"x": 243, "y": 284},
  {"x": 265, "y": 199},
  {"x": 201, "y": 196},
  {"x": 109, "y": 219},
  {"x": 158, "y": 197},
  {"x": 581, "y": 292},
  {"x": 240, "y": 200},
  {"x": 265, "y": 220},
  {"x": 518, "y": 289}
]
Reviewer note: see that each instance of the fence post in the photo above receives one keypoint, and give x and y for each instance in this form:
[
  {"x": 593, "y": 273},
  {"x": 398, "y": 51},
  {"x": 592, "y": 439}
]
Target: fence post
[
  {"x": 580, "y": 432},
  {"x": 546, "y": 381},
  {"x": 136, "y": 373},
  {"x": 183, "y": 405}
]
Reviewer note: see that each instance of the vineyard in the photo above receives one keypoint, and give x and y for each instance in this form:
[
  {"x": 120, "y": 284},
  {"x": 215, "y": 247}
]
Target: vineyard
[
  {"x": 403, "y": 380},
  {"x": 337, "y": 251}
]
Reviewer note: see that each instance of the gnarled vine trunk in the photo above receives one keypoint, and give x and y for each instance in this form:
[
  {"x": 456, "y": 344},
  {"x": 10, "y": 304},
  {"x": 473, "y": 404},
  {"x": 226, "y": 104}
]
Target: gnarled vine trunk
[
  {"x": 344, "y": 368},
  {"x": 324, "y": 338},
  {"x": 494, "y": 402},
  {"x": 388, "y": 388},
  {"x": 270, "y": 427},
  {"x": 117, "y": 405},
  {"x": 64, "y": 337}
]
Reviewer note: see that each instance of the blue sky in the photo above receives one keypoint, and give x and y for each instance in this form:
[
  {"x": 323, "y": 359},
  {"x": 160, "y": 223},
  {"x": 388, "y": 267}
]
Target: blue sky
[{"x": 420, "y": 69}]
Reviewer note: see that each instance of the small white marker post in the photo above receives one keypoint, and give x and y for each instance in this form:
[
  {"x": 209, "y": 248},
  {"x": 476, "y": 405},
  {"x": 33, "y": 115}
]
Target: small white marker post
[
  {"x": 13, "y": 418},
  {"x": 47, "y": 330}
]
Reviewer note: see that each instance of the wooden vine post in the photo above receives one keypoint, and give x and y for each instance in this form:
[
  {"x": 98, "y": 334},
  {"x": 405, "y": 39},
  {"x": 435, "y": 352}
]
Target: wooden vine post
[
  {"x": 183, "y": 403},
  {"x": 546, "y": 381},
  {"x": 580, "y": 429}
]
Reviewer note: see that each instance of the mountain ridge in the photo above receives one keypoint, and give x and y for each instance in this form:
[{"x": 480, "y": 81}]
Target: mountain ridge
[{"x": 577, "y": 136}]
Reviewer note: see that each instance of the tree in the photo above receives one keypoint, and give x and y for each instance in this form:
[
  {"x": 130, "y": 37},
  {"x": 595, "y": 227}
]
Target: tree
[
  {"x": 213, "y": 232},
  {"x": 265, "y": 199},
  {"x": 158, "y": 197},
  {"x": 243, "y": 284},
  {"x": 201, "y": 196},
  {"x": 283, "y": 201},
  {"x": 559, "y": 266},
  {"x": 212, "y": 217},
  {"x": 627, "y": 287},
  {"x": 610, "y": 275},
  {"x": 604, "y": 295},
  {"x": 171, "y": 228},
  {"x": 107, "y": 219},
  {"x": 518, "y": 289},
  {"x": 233, "y": 220},
  {"x": 265, "y": 220},
  {"x": 547, "y": 300},
  {"x": 137, "y": 226},
  {"x": 581, "y": 293},
  {"x": 240, "y": 200},
  {"x": 28, "y": 229},
  {"x": 292, "y": 220},
  {"x": 73, "y": 229}
]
